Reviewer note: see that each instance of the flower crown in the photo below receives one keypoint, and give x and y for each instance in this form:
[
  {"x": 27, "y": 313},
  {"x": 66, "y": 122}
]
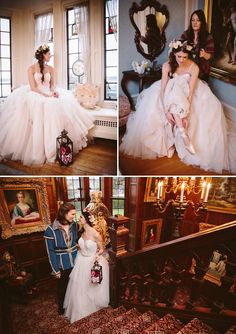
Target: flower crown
[
  {"x": 176, "y": 44},
  {"x": 41, "y": 49}
]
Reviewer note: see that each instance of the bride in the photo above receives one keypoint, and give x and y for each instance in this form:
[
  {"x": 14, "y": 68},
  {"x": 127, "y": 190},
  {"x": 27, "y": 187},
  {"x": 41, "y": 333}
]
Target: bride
[
  {"x": 33, "y": 117},
  {"x": 180, "y": 112},
  {"x": 83, "y": 297}
]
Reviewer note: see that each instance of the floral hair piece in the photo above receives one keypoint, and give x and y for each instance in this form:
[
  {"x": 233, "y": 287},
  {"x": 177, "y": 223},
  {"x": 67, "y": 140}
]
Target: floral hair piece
[
  {"x": 41, "y": 49},
  {"x": 175, "y": 44},
  {"x": 90, "y": 216}
]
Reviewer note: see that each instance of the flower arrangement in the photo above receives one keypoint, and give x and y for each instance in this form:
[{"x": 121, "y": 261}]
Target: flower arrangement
[{"x": 139, "y": 68}]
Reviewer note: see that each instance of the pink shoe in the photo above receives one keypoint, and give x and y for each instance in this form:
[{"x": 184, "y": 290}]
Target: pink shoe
[
  {"x": 190, "y": 149},
  {"x": 170, "y": 152}
]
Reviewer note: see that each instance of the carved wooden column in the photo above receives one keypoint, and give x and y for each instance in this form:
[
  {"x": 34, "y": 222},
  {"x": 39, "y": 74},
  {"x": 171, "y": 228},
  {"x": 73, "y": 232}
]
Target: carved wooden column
[{"x": 119, "y": 233}]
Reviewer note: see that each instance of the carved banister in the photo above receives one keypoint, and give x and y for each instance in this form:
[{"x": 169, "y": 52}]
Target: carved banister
[{"x": 154, "y": 277}]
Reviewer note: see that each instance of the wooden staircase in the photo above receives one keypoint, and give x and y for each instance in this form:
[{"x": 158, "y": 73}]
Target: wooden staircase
[
  {"x": 175, "y": 278},
  {"x": 122, "y": 321}
]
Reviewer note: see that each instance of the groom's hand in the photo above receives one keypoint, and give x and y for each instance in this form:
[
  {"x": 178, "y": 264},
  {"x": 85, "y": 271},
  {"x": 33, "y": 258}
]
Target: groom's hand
[{"x": 58, "y": 275}]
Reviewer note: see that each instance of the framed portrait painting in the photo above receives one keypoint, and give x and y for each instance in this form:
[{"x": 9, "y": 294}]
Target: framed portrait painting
[
  {"x": 222, "y": 20},
  {"x": 152, "y": 189},
  {"x": 23, "y": 206},
  {"x": 222, "y": 195},
  {"x": 151, "y": 232}
]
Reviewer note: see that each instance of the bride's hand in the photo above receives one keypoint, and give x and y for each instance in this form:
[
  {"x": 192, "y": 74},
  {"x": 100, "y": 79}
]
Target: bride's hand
[
  {"x": 55, "y": 94},
  {"x": 46, "y": 95},
  {"x": 170, "y": 118}
]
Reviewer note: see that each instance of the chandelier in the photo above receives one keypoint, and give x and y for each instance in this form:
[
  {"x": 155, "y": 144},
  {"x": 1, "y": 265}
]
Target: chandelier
[{"x": 175, "y": 192}]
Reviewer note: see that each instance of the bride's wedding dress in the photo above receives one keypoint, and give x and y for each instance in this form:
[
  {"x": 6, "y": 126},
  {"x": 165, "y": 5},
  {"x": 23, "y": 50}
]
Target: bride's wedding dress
[
  {"x": 83, "y": 297},
  {"x": 30, "y": 123},
  {"x": 149, "y": 135}
]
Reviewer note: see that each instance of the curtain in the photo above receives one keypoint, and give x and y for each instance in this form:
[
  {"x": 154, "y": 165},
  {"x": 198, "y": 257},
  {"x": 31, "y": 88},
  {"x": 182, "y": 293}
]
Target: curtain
[
  {"x": 82, "y": 24},
  {"x": 43, "y": 25},
  {"x": 112, "y": 12}
]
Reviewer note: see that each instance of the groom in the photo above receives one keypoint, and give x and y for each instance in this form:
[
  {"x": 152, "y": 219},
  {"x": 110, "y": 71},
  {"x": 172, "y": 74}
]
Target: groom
[{"x": 60, "y": 238}]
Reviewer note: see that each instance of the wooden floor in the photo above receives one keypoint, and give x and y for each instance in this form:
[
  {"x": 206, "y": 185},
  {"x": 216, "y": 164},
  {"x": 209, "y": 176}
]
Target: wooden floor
[
  {"x": 159, "y": 166},
  {"x": 99, "y": 158}
]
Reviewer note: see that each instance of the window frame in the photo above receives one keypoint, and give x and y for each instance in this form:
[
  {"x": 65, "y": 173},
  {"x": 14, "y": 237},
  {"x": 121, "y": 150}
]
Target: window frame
[
  {"x": 105, "y": 62},
  {"x": 10, "y": 29},
  {"x": 67, "y": 51},
  {"x": 125, "y": 198}
]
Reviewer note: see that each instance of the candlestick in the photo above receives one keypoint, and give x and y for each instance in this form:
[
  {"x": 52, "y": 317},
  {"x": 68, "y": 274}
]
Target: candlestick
[
  {"x": 203, "y": 189},
  {"x": 158, "y": 190},
  {"x": 182, "y": 192},
  {"x": 161, "y": 186},
  {"x": 207, "y": 192}
]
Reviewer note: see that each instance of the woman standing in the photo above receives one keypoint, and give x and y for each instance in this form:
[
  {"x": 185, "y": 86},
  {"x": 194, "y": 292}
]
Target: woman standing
[
  {"x": 203, "y": 42},
  {"x": 34, "y": 116},
  {"x": 83, "y": 297}
]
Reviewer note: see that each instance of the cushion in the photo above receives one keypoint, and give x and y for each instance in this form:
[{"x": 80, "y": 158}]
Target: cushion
[
  {"x": 124, "y": 110},
  {"x": 88, "y": 95}
]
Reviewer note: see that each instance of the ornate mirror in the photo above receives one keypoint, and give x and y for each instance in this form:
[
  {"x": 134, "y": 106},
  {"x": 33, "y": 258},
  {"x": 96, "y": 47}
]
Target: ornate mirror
[{"x": 150, "y": 20}]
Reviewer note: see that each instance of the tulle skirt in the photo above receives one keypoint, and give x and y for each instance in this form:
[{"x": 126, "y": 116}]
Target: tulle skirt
[
  {"x": 83, "y": 297},
  {"x": 30, "y": 124},
  {"x": 149, "y": 135}
]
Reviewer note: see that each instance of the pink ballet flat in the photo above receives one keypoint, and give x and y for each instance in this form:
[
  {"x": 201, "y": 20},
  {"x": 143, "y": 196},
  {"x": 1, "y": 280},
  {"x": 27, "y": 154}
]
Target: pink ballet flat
[
  {"x": 190, "y": 149},
  {"x": 170, "y": 152}
]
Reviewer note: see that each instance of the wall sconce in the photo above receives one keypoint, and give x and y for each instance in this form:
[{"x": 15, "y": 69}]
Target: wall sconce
[{"x": 181, "y": 188}]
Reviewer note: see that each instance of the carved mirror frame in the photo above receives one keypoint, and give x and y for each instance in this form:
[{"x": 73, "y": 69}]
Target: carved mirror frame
[{"x": 135, "y": 8}]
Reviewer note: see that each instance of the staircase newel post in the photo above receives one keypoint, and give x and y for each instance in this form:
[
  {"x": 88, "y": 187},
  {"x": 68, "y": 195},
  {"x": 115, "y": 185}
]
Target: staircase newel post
[{"x": 119, "y": 233}]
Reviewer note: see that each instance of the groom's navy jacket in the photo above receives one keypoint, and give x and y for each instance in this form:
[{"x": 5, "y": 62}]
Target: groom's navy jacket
[{"x": 61, "y": 252}]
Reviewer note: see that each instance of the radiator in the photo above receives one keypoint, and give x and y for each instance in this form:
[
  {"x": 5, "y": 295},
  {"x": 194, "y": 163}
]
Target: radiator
[{"x": 105, "y": 124}]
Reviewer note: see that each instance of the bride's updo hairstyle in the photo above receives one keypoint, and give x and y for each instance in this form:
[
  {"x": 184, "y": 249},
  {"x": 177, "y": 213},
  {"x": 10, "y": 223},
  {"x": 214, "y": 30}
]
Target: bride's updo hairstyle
[
  {"x": 39, "y": 53},
  {"x": 177, "y": 46}
]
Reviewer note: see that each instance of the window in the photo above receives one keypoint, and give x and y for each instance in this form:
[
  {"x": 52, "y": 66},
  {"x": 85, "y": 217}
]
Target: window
[
  {"x": 5, "y": 57},
  {"x": 118, "y": 196},
  {"x": 44, "y": 32},
  {"x": 111, "y": 53},
  {"x": 74, "y": 191},
  {"x": 95, "y": 183},
  {"x": 74, "y": 52}
]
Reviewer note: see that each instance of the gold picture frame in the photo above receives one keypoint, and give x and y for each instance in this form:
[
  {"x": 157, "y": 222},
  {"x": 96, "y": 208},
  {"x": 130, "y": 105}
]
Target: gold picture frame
[
  {"x": 151, "y": 232},
  {"x": 219, "y": 20},
  {"x": 222, "y": 195},
  {"x": 13, "y": 220},
  {"x": 151, "y": 189}
]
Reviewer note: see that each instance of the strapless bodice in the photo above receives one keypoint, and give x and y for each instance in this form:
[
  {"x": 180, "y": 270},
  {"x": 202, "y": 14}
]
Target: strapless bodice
[
  {"x": 183, "y": 76},
  {"x": 45, "y": 85},
  {"x": 87, "y": 247}
]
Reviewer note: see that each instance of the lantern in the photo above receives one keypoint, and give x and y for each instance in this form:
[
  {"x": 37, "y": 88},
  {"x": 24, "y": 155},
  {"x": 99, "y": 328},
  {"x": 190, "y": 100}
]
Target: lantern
[
  {"x": 64, "y": 149},
  {"x": 96, "y": 273}
]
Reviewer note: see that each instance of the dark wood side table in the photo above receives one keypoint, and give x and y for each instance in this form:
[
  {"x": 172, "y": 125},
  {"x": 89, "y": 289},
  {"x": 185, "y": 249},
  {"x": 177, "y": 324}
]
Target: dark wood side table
[{"x": 142, "y": 79}]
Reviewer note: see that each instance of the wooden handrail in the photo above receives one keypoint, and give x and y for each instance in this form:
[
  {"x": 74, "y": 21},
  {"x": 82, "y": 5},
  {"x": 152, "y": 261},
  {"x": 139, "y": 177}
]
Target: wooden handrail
[{"x": 142, "y": 278}]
